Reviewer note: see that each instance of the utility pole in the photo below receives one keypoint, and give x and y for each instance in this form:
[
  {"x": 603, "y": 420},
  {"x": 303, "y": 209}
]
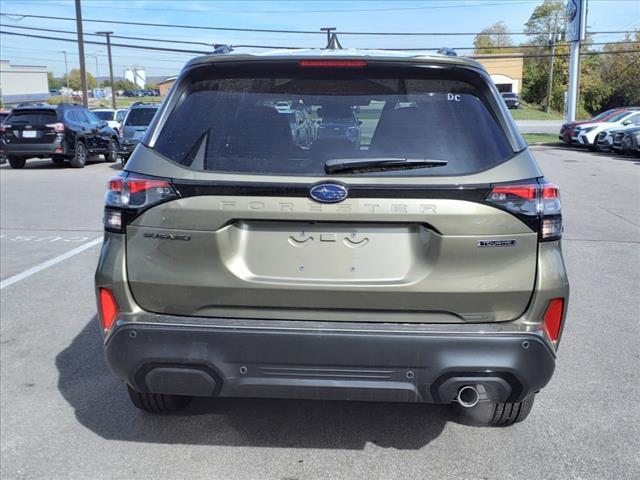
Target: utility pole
[
  {"x": 83, "y": 70},
  {"x": 97, "y": 71},
  {"x": 552, "y": 44},
  {"x": 113, "y": 87},
  {"x": 553, "y": 38},
  {"x": 66, "y": 69},
  {"x": 576, "y": 22}
]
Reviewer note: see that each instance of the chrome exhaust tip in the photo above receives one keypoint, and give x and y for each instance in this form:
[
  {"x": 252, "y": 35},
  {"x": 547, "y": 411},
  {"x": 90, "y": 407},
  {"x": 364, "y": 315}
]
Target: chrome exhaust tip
[{"x": 468, "y": 396}]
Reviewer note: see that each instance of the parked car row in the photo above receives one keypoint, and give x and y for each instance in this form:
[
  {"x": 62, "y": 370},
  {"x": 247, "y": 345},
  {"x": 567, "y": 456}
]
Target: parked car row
[
  {"x": 616, "y": 130},
  {"x": 70, "y": 133}
]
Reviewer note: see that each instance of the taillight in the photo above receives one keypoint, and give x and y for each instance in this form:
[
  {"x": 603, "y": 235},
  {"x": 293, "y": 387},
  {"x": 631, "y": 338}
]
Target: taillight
[
  {"x": 57, "y": 127},
  {"x": 553, "y": 319},
  {"x": 550, "y": 211},
  {"x": 108, "y": 308},
  {"x": 128, "y": 195},
  {"x": 3, "y": 128},
  {"x": 536, "y": 203},
  {"x": 332, "y": 63}
]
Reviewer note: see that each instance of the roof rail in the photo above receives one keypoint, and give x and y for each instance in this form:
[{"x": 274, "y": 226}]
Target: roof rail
[{"x": 449, "y": 52}]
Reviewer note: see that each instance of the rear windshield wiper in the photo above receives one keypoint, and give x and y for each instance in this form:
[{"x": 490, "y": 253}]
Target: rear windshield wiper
[{"x": 379, "y": 164}]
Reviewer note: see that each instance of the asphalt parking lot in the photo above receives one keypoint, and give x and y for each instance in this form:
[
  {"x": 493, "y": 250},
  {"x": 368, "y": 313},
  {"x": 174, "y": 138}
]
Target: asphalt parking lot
[{"x": 63, "y": 415}]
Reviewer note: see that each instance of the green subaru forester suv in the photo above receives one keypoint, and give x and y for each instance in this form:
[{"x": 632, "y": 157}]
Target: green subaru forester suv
[{"x": 411, "y": 254}]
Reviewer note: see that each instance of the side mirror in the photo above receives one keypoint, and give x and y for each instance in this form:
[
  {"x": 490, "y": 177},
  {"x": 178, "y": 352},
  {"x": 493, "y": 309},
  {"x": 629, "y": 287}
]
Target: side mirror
[{"x": 626, "y": 122}]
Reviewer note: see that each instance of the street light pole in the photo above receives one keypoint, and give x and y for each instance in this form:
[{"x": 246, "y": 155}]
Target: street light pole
[
  {"x": 66, "y": 70},
  {"x": 83, "y": 70},
  {"x": 113, "y": 87}
]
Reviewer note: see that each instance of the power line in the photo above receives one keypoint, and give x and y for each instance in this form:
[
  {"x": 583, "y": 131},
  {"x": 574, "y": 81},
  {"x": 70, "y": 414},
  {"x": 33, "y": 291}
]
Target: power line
[
  {"x": 139, "y": 47},
  {"x": 142, "y": 47},
  {"x": 302, "y": 32},
  {"x": 153, "y": 39},
  {"x": 124, "y": 37}
]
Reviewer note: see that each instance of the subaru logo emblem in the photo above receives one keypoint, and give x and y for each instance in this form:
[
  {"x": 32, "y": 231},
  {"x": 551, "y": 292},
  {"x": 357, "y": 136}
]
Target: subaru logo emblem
[{"x": 328, "y": 193}]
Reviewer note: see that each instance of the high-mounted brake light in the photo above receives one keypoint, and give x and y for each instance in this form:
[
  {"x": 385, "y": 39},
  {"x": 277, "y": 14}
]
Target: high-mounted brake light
[
  {"x": 553, "y": 319},
  {"x": 332, "y": 63},
  {"x": 57, "y": 127},
  {"x": 108, "y": 308},
  {"x": 536, "y": 203},
  {"x": 129, "y": 195}
]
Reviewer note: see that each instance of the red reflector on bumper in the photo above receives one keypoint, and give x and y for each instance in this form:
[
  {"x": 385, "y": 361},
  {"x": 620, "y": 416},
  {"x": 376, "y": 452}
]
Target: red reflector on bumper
[
  {"x": 553, "y": 318},
  {"x": 108, "y": 308}
]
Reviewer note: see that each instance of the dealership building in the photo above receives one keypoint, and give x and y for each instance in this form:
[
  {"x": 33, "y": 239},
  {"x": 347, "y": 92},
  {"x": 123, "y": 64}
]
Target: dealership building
[
  {"x": 505, "y": 71},
  {"x": 23, "y": 83}
]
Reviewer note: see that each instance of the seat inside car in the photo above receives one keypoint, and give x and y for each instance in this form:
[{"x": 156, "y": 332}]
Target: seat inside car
[{"x": 260, "y": 132}]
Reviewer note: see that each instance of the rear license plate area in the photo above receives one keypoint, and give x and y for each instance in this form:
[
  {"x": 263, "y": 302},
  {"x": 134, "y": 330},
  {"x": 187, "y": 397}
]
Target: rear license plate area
[{"x": 326, "y": 252}]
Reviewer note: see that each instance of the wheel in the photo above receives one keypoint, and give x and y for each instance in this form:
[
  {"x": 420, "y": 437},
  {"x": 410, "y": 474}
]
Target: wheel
[
  {"x": 159, "y": 403},
  {"x": 499, "y": 414},
  {"x": 80, "y": 158},
  {"x": 112, "y": 152},
  {"x": 57, "y": 160},
  {"x": 17, "y": 162}
]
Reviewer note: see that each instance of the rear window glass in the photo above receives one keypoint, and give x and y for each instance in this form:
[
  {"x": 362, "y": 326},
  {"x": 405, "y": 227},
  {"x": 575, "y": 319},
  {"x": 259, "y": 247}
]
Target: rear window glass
[
  {"x": 140, "y": 117},
  {"x": 292, "y": 126},
  {"x": 32, "y": 117},
  {"x": 104, "y": 115}
]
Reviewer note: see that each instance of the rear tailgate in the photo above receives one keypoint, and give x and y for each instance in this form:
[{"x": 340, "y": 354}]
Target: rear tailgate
[
  {"x": 245, "y": 239},
  {"x": 232, "y": 255},
  {"x": 31, "y": 127}
]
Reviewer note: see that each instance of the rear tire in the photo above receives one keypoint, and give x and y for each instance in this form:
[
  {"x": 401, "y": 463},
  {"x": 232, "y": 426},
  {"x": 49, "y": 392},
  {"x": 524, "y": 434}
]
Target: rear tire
[
  {"x": 17, "y": 162},
  {"x": 157, "y": 403},
  {"x": 79, "y": 160},
  {"x": 112, "y": 152},
  {"x": 500, "y": 414}
]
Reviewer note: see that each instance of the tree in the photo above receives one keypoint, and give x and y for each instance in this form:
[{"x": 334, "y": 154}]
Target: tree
[
  {"x": 491, "y": 37},
  {"x": 54, "y": 83},
  {"x": 125, "y": 85},
  {"x": 76, "y": 84},
  {"x": 621, "y": 72},
  {"x": 546, "y": 20},
  {"x": 544, "y": 26}
]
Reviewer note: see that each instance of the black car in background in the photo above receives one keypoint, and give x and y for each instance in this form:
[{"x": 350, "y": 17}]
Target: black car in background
[
  {"x": 134, "y": 126},
  {"x": 65, "y": 132},
  {"x": 511, "y": 99},
  {"x": 338, "y": 130},
  {"x": 630, "y": 142}
]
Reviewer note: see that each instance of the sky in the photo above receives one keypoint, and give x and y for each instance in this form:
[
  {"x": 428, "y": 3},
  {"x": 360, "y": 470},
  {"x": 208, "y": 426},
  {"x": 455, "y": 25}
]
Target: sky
[{"x": 377, "y": 16}]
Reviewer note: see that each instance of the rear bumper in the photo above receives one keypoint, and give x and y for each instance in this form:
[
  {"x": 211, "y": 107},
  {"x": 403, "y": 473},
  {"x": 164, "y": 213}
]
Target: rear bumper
[
  {"x": 35, "y": 149},
  {"x": 327, "y": 360},
  {"x": 126, "y": 147}
]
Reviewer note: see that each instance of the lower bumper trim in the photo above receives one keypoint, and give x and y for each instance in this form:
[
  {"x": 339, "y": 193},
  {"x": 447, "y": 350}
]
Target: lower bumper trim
[{"x": 319, "y": 364}]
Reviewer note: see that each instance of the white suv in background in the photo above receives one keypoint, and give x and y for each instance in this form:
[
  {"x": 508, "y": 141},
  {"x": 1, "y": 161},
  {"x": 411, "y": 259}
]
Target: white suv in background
[
  {"x": 113, "y": 117},
  {"x": 586, "y": 134}
]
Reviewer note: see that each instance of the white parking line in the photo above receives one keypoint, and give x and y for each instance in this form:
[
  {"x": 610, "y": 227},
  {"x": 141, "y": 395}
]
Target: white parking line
[{"x": 49, "y": 263}]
